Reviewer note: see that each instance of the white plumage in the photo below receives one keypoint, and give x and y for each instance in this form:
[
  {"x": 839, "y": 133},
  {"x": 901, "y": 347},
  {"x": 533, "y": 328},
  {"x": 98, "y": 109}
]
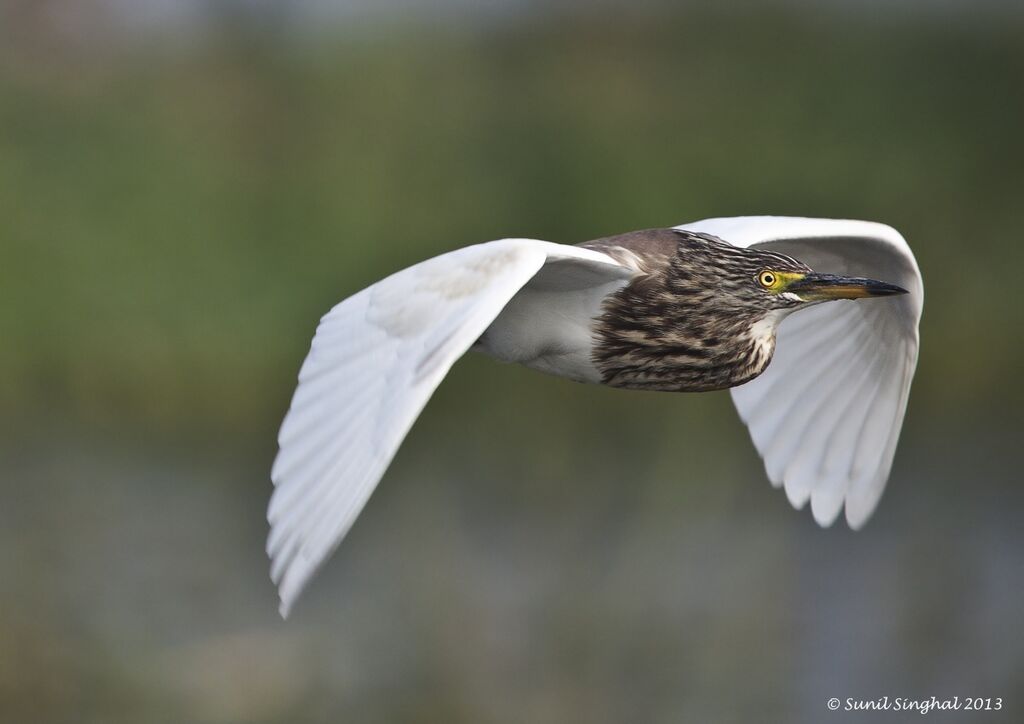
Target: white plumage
[
  {"x": 827, "y": 412},
  {"x": 378, "y": 356}
]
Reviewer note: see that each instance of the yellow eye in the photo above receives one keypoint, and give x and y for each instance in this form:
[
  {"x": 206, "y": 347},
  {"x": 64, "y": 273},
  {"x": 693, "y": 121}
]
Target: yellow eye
[{"x": 767, "y": 279}]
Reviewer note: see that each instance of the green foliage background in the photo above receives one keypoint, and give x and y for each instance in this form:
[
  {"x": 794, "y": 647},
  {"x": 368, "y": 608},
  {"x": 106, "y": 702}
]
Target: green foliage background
[{"x": 175, "y": 223}]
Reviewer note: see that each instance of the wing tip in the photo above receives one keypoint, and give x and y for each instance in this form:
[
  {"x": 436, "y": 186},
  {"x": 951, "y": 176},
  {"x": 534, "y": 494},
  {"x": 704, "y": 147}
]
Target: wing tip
[
  {"x": 859, "y": 513},
  {"x": 797, "y": 495},
  {"x": 825, "y": 513},
  {"x": 292, "y": 583},
  {"x": 856, "y": 522}
]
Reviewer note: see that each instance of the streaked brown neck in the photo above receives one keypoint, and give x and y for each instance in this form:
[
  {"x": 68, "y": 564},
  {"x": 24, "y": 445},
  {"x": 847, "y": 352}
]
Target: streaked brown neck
[{"x": 667, "y": 333}]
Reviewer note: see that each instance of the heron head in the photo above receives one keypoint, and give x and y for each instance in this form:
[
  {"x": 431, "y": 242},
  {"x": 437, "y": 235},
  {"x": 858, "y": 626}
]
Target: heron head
[
  {"x": 754, "y": 284},
  {"x": 733, "y": 299}
]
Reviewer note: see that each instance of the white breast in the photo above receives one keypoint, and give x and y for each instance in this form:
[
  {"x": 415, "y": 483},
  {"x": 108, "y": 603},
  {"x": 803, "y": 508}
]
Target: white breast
[
  {"x": 550, "y": 330},
  {"x": 762, "y": 332}
]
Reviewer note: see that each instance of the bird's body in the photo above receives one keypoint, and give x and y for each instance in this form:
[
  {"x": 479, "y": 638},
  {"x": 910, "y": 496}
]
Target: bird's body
[
  {"x": 654, "y": 331},
  {"x": 681, "y": 326},
  {"x": 679, "y": 310}
]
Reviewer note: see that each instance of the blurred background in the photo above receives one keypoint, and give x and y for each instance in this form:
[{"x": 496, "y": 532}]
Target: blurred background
[{"x": 185, "y": 187}]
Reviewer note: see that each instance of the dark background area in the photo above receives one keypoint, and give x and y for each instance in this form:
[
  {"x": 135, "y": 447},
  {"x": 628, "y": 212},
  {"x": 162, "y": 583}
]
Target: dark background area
[{"x": 182, "y": 195}]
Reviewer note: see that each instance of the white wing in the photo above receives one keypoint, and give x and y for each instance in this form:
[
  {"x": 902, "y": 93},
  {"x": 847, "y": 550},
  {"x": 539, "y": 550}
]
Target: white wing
[
  {"x": 374, "y": 362},
  {"x": 827, "y": 412}
]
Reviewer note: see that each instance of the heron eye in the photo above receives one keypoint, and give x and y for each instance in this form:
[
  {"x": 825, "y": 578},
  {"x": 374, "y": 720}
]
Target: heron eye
[{"x": 767, "y": 279}]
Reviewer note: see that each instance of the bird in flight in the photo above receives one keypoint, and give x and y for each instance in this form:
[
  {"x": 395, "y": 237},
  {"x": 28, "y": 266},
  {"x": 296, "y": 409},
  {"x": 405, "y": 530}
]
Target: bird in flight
[{"x": 745, "y": 303}]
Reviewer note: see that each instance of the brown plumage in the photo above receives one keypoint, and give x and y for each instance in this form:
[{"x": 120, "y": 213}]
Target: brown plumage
[{"x": 690, "y": 321}]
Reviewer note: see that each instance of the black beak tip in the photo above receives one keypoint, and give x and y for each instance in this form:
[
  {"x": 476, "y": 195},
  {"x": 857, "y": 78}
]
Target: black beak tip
[{"x": 884, "y": 289}]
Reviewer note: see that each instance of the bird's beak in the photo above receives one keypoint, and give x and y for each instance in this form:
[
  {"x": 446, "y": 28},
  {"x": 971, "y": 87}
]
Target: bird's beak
[{"x": 823, "y": 287}]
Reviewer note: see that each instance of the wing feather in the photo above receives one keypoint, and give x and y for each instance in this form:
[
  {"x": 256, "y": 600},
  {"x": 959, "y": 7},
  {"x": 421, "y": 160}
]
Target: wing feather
[
  {"x": 826, "y": 414},
  {"x": 374, "y": 362},
  {"x": 811, "y": 421},
  {"x": 821, "y": 352}
]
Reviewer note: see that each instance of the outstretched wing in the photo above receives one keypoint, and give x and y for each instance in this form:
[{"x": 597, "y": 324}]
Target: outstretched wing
[
  {"x": 827, "y": 412},
  {"x": 374, "y": 362}
]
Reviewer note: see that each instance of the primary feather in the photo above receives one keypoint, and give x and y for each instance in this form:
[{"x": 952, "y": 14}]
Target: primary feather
[{"x": 374, "y": 362}]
